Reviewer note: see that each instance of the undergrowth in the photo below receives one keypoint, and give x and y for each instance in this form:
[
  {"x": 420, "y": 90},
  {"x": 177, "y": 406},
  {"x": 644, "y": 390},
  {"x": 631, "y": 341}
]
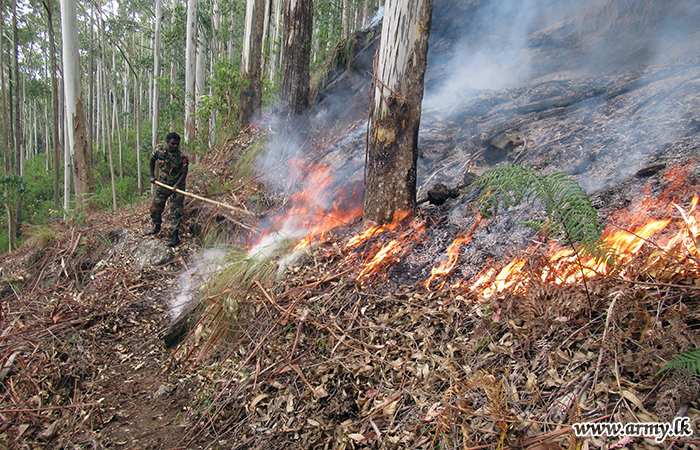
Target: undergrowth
[{"x": 570, "y": 213}]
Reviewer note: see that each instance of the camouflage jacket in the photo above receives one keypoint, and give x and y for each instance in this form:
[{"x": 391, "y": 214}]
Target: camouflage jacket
[{"x": 169, "y": 164}]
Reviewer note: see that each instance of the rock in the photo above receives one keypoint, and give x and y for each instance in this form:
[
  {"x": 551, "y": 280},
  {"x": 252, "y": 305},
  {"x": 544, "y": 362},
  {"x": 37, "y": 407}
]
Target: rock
[
  {"x": 469, "y": 178},
  {"x": 163, "y": 391},
  {"x": 439, "y": 193},
  {"x": 650, "y": 170},
  {"x": 151, "y": 252},
  {"x": 181, "y": 326}
]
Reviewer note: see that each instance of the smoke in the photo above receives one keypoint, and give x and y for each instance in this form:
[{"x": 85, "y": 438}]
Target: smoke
[
  {"x": 319, "y": 191},
  {"x": 489, "y": 53},
  {"x": 491, "y": 60},
  {"x": 379, "y": 15},
  {"x": 201, "y": 270},
  {"x": 497, "y": 44}
]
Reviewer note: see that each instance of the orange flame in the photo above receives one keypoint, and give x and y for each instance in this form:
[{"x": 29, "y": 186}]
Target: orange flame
[
  {"x": 446, "y": 268},
  {"x": 318, "y": 208},
  {"x": 452, "y": 255}
]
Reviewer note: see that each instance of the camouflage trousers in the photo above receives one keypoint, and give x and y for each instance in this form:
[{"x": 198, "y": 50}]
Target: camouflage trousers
[{"x": 177, "y": 202}]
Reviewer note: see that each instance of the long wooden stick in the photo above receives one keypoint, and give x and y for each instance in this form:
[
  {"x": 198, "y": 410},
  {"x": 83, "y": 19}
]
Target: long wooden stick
[{"x": 189, "y": 194}]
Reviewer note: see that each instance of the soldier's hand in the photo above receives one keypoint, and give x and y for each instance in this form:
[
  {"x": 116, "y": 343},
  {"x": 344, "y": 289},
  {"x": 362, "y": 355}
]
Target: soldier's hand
[{"x": 153, "y": 180}]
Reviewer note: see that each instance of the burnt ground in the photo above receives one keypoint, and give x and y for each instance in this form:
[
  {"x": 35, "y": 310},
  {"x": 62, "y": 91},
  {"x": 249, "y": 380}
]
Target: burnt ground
[{"x": 330, "y": 357}]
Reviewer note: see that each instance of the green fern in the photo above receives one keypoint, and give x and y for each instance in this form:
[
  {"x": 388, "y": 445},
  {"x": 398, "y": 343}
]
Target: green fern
[
  {"x": 571, "y": 215},
  {"x": 688, "y": 361}
]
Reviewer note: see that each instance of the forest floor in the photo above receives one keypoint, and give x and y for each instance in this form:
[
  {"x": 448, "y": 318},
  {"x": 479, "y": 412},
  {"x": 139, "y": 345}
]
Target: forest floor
[{"x": 345, "y": 350}]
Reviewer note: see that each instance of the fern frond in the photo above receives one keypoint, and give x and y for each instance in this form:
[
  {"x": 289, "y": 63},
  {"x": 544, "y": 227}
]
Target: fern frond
[
  {"x": 543, "y": 227},
  {"x": 688, "y": 361},
  {"x": 571, "y": 214}
]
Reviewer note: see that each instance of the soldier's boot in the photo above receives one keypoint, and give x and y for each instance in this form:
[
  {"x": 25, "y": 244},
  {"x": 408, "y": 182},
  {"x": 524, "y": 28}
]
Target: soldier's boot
[
  {"x": 174, "y": 240},
  {"x": 155, "y": 230}
]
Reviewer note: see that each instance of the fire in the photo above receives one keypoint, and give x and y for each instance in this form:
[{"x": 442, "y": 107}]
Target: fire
[
  {"x": 446, "y": 268},
  {"x": 384, "y": 254},
  {"x": 380, "y": 261},
  {"x": 453, "y": 255},
  {"x": 321, "y": 205},
  {"x": 565, "y": 266}
]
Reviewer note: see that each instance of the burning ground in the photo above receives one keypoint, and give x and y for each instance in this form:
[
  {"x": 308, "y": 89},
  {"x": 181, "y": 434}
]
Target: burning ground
[{"x": 444, "y": 328}]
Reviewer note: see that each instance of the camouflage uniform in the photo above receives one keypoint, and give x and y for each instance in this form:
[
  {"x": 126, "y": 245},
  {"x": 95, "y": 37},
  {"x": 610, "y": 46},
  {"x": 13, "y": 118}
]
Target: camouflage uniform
[{"x": 171, "y": 166}]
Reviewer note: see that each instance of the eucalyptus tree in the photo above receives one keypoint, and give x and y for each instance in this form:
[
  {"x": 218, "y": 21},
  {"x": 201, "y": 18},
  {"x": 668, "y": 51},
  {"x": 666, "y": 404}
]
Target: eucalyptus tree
[
  {"x": 75, "y": 117},
  {"x": 275, "y": 43},
  {"x": 156, "y": 75},
  {"x": 396, "y": 110},
  {"x": 190, "y": 61},
  {"x": 250, "y": 90},
  {"x": 294, "y": 93},
  {"x": 6, "y": 131}
]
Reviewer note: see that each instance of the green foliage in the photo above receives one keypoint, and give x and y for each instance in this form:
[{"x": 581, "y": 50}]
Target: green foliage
[
  {"x": 688, "y": 361},
  {"x": 571, "y": 215},
  {"x": 38, "y": 195},
  {"x": 244, "y": 168}
]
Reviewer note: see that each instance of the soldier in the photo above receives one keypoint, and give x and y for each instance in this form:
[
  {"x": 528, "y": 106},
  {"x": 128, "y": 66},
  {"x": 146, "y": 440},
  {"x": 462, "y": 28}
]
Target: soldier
[{"x": 173, "y": 171}]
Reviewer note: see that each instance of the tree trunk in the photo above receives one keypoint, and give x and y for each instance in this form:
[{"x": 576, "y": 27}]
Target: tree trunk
[
  {"x": 199, "y": 85},
  {"x": 345, "y": 19},
  {"x": 156, "y": 75},
  {"x": 54, "y": 96},
  {"x": 275, "y": 45},
  {"x": 137, "y": 117},
  {"x": 91, "y": 103},
  {"x": 396, "y": 110},
  {"x": 294, "y": 93},
  {"x": 250, "y": 92},
  {"x": 77, "y": 139},
  {"x": 17, "y": 128},
  {"x": 6, "y": 133},
  {"x": 265, "y": 47},
  {"x": 365, "y": 14},
  {"x": 190, "y": 53},
  {"x": 116, "y": 125},
  {"x": 108, "y": 132}
]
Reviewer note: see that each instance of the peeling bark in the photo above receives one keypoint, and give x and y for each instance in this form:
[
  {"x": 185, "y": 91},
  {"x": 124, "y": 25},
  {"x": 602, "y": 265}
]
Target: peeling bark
[{"x": 396, "y": 110}]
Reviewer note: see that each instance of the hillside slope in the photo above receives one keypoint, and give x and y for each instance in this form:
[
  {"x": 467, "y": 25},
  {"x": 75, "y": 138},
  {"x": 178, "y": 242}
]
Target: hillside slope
[{"x": 448, "y": 330}]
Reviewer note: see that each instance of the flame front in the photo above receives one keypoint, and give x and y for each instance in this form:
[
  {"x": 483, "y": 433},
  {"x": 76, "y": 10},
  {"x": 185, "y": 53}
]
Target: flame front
[
  {"x": 564, "y": 266},
  {"x": 321, "y": 205}
]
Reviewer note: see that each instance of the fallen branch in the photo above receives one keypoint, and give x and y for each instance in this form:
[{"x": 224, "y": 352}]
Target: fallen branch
[{"x": 213, "y": 202}]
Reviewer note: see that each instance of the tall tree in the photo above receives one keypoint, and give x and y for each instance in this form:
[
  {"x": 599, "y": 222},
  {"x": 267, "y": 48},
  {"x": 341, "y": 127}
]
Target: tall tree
[
  {"x": 6, "y": 130},
  {"x": 396, "y": 110},
  {"x": 294, "y": 94},
  {"x": 275, "y": 45},
  {"x": 190, "y": 61},
  {"x": 345, "y": 19},
  {"x": 250, "y": 92},
  {"x": 75, "y": 116},
  {"x": 156, "y": 75}
]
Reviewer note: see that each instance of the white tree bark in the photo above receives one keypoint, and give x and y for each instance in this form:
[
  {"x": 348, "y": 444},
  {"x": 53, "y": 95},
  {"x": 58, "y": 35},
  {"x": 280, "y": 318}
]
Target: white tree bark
[
  {"x": 200, "y": 78},
  {"x": 345, "y": 20},
  {"x": 71, "y": 86},
  {"x": 190, "y": 61},
  {"x": 392, "y": 155},
  {"x": 156, "y": 74},
  {"x": 250, "y": 92},
  {"x": 365, "y": 13},
  {"x": 401, "y": 32},
  {"x": 137, "y": 117},
  {"x": 265, "y": 48},
  {"x": 275, "y": 44}
]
